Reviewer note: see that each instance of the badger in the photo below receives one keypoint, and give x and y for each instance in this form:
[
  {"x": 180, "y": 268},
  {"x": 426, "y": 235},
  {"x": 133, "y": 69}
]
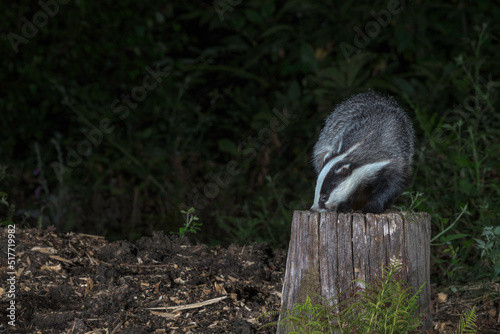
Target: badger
[{"x": 363, "y": 156}]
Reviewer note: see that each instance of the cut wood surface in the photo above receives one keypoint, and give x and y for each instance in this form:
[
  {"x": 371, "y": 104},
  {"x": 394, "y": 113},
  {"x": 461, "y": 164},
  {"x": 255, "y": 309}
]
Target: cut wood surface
[{"x": 329, "y": 250}]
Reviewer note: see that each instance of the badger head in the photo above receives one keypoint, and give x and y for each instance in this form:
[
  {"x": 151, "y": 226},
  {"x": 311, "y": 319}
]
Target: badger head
[
  {"x": 341, "y": 180},
  {"x": 328, "y": 195}
]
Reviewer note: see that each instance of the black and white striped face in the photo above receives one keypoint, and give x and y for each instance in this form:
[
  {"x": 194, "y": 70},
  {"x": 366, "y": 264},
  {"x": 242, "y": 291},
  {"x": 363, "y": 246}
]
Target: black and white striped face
[
  {"x": 331, "y": 176},
  {"x": 339, "y": 180}
]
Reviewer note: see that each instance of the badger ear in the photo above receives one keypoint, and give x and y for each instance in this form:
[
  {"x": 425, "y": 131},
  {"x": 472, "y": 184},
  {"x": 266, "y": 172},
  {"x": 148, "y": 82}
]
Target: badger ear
[
  {"x": 327, "y": 157},
  {"x": 343, "y": 169}
]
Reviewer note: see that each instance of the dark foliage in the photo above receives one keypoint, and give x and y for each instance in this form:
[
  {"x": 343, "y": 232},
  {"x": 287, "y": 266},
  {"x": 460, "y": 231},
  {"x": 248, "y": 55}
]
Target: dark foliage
[{"x": 77, "y": 92}]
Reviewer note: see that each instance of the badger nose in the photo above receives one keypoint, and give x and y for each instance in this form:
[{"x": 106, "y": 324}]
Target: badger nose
[{"x": 316, "y": 208}]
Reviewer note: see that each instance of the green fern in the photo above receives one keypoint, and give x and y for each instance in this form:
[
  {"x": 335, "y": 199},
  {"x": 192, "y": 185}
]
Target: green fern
[
  {"x": 387, "y": 304},
  {"x": 306, "y": 319},
  {"x": 467, "y": 322},
  {"x": 384, "y": 306}
]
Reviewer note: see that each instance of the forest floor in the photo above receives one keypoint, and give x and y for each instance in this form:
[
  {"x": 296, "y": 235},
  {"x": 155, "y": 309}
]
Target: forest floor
[{"x": 77, "y": 283}]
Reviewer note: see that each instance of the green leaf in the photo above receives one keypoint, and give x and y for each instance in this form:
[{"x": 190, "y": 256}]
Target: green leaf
[
  {"x": 268, "y": 8},
  {"x": 293, "y": 91},
  {"x": 227, "y": 146},
  {"x": 454, "y": 237},
  {"x": 465, "y": 186},
  {"x": 404, "y": 85},
  {"x": 481, "y": 244},
  {"x": 253, "y": 16},
  {"x": 461, "y": 160},
  {"x": 275, "y": 29},
  {"x": 308, "y": 57}
]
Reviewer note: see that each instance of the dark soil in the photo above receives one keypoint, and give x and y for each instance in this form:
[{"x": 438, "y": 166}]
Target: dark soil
[{"x": 77, "y": 283}]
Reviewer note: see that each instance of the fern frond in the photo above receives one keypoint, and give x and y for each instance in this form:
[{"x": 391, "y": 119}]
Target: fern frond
[{"x": 467, "y": 323}]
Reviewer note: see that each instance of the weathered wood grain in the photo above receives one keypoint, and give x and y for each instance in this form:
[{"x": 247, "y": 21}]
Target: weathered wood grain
[{"x": 329, "y": 250}]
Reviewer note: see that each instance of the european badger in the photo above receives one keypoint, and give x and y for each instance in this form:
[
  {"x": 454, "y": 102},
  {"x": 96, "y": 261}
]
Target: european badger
[{"x": 363, "y": 155}]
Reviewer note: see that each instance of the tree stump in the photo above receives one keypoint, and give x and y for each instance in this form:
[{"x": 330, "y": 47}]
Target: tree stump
[{"x": 329, "y": 250}]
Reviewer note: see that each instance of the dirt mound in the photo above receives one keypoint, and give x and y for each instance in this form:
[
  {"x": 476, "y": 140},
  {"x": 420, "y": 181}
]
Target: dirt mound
[{"x": 77, "y": 283}]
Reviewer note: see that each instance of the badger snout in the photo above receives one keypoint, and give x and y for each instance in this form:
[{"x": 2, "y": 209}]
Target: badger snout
[{"x": 316, "y": 208}]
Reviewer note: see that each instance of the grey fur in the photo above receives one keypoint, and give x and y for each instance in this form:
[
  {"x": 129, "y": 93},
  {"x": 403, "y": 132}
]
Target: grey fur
[{"x": 381, "y": 132}]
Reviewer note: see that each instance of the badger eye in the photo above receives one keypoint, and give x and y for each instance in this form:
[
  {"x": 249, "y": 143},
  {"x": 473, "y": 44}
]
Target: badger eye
[
  {"x": 343, "y": 169},
  {"x": 323, "y": 198}
]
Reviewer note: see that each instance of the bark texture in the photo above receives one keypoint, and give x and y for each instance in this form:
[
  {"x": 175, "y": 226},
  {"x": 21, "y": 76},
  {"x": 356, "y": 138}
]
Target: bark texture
[{"x": 329, "y": 250}]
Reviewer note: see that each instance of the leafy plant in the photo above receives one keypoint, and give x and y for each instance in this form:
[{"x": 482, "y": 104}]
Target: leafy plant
[
  {"x": 416, "y": 199},
  {"x": 386, "y": 305},
  {"x": 467, "y": 322},
  {"x": 456, "y": 160},
  {"x": 306, "y": 318},
  {"x": 453, "y": 264},
  {"x": 191, "y": 225},
  {"x": 383, "y": 306},
  {"x": 10, "y": 210},
  {"x": 490, "y": 247}
]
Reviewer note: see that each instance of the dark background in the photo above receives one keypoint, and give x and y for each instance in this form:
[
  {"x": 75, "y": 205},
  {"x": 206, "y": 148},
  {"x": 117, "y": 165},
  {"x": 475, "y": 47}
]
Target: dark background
[{"x": 72, "y": 68}]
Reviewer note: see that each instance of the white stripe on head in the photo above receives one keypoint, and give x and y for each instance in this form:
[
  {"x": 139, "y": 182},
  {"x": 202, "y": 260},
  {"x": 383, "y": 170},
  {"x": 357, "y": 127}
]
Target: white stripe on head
[
  {"x": 340, "y": 145},
  {"x": 347, "y": 188},
  {"x": 324, "y": 172}
]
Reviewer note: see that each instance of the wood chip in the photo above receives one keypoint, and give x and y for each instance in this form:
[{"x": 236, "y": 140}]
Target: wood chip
[
  {"x": 190, "y": 306},
  {"x": 166, "y": 315},
  {"x": 91, "y": 236},
  {"x": 52, "y": 268},
  {"x": 45, "y": 250},
  {"x": 58, "y": 258}
]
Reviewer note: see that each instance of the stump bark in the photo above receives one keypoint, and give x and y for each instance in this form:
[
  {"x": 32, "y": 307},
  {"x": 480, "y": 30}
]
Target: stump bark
[{"x": 328, "y": 251}]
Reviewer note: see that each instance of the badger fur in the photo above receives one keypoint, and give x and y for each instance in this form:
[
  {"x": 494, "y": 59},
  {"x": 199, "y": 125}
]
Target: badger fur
[{"x": 363, "y": 155}]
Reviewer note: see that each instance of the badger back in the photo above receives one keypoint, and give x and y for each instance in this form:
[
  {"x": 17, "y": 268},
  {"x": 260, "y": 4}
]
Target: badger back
[{"x": 376, "y": 124}]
